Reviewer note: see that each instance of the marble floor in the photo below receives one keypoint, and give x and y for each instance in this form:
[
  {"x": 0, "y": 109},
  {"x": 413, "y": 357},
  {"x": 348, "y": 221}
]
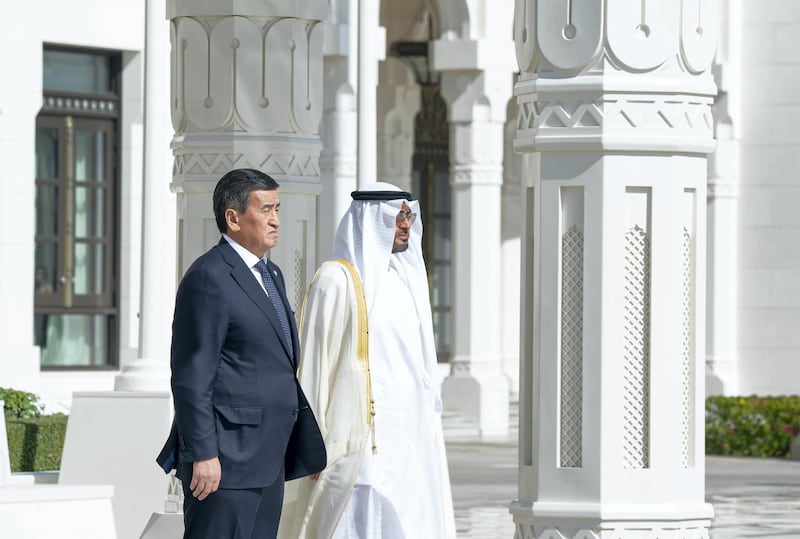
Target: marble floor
[{"x": 752, "y": 497}]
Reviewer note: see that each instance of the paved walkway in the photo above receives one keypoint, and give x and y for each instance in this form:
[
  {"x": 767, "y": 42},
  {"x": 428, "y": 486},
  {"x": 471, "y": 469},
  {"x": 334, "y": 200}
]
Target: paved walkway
[{"x": 752, "y": 497}]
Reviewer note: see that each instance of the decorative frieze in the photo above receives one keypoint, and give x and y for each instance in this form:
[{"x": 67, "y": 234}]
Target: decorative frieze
[
  {"x": 298, "y": 165},
  {"x": 568, "y": 36},
  {"x": 556, "y": 115},
  {"x": 246, "y": 74}
]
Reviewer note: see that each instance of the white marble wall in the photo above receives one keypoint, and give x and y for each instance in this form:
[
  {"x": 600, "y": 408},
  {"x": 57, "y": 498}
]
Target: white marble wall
[
  {"x": 86, "y": 23},
  {"x": 769, "y": 199}
]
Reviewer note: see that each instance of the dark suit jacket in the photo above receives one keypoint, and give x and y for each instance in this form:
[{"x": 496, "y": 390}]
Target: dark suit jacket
[{"x": 234, "y": 386}]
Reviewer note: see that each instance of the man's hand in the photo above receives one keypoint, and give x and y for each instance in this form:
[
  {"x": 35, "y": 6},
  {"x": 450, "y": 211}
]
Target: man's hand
[{"x": 205, "y": 477}]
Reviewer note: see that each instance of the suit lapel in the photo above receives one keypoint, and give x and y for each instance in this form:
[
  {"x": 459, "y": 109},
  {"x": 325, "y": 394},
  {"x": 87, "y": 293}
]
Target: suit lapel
[{"x": 246, "y": 280}]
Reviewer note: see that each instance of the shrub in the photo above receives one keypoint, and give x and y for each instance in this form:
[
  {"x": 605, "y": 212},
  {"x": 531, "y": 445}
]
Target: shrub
[
  {"x": 751, "y": 426},
  {"x": 20, "y": 403},
  {"x": 35, "y": 443}
]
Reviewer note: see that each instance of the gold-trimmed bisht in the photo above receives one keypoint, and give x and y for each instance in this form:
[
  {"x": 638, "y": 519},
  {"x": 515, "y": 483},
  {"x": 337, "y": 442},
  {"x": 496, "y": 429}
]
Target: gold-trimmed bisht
[{"x": 362, "y": 347}]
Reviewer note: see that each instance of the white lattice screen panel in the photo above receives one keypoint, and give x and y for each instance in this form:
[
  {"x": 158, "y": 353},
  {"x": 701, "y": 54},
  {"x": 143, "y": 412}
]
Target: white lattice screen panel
[
  {"x": 636, "y": 373},
  {"x": 571, "y": 417},
  {"x": 687, "y": 351}
]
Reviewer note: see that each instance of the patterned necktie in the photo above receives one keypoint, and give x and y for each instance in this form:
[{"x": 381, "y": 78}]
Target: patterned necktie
[{"x": 275, "y": 298}]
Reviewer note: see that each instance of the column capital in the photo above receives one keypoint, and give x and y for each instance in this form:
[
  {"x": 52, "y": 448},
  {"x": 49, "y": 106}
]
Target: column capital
[
  {"x": 613, "y": 78},
  {"x": 472, "y": 55},
  {"x": 474, "y": 95},
  {"x": 302, "y": 9}
]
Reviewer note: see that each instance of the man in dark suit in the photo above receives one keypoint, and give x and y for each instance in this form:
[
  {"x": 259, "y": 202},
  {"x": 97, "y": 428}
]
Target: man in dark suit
[{"x": 234, "y": 357}]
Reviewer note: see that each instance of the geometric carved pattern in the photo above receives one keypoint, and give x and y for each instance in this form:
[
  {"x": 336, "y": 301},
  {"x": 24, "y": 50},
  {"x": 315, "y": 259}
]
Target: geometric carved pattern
[
  {"x": 636, "y": 369},
  {"x": 215, "y": 164},
  {"x": 529, "y": 531},
  {"x": 571, "y": 421},
  {"x": 644, "y": 111},
  {"x": 687, "y": 352}
]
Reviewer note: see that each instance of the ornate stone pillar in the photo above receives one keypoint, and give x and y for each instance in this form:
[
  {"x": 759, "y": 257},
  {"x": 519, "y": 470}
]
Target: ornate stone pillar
[
  {"x": 339, "y": 123},
  {"x": 615, "y": 124},
  {"x": 247, "y": 92},
  {"x": 476, "y": 390},
  {"x": 723, "y": 213},
  {"x": 398, "y": 105}
]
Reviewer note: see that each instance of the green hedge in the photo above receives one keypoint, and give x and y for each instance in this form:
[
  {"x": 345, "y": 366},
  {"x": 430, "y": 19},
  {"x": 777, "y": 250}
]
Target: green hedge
[
  {"x": 20, "y": 403},
  {"x": 751, "y": 426},
  {"x": 35, "y": 443}
]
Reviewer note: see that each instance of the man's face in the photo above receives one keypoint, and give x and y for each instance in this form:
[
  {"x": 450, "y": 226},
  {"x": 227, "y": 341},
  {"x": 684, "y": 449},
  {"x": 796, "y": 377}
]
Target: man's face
[
  {"x": 256, "y": 229},
  {"x": 402, "y": 229}
]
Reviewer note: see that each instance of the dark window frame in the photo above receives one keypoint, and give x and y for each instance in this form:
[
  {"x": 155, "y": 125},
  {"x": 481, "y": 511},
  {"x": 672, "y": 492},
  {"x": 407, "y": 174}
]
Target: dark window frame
[{"x": 53, "y": 115}]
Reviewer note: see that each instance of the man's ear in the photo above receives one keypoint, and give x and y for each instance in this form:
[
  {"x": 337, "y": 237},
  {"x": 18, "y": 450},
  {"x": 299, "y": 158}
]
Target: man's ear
[{"x": 232, "y": 218}]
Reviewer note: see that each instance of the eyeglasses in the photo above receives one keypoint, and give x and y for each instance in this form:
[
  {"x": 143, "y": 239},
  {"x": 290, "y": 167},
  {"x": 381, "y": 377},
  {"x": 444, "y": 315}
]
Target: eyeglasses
[{"x": 403, "y": 215}]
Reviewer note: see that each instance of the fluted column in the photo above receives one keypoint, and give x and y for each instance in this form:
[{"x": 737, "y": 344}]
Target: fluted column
[
  {"x": 371, "y": 40},
  {"x": 723, "y": 213},
  {"x": 150, "y": 372},
  {"x": 476, "y": 390},
  {"x": 339, "y": 130},
  {"x": 614, "y": 125},
  {"x": 247, "y": 92},
  {"x": 401, "y": 103},
  {"x": 349, "y": 85}
]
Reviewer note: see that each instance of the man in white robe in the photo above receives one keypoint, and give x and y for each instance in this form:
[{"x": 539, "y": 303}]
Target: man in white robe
[{"x": 375, "y": 394}]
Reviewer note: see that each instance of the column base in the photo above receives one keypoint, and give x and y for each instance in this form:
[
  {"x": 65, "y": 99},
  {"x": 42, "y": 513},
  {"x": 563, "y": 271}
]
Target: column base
[
  {"x": 113, "y": 438},
  {"x": 546, "y": 520},
  {"x": 163, "y": 525},
  {"x": 722, "y": 375},
  {"x": 475, "y": 404},
  {"x": 143, "y": 375}
]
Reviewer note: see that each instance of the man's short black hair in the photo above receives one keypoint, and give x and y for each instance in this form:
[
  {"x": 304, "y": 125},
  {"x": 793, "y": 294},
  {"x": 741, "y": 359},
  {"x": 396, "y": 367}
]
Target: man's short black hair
[{"x": 233, "y": 191}]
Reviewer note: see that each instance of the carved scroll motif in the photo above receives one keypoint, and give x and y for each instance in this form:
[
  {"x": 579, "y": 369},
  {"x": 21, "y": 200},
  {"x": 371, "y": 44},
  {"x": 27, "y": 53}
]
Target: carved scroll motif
[
  {"x": 231, "y": 75},
  {"x": 635, "y": 35}
]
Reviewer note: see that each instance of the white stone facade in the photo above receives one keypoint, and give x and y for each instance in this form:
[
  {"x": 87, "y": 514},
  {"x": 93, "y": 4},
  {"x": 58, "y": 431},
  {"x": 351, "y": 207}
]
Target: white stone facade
[
  {"x": 753, "y": 279},
  {"x": 600, "y": 155}
]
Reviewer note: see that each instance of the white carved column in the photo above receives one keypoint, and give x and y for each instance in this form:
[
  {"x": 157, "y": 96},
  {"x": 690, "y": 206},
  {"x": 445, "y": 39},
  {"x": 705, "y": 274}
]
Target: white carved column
[
  {"x": 398, "y": 105},
  {"x": 615, "y": 124},
  {"x": 723, "y": 212},
  {"x": 476, "y": 390},
  {"x": 339, "y": 128},
  {"x": 371, "y": 49},
  {"x": 342, "y": 121},
  {"x": 158, "y": 274},
  {"x": 511, "y": 246},
  {"x": 247, "y": 93}
]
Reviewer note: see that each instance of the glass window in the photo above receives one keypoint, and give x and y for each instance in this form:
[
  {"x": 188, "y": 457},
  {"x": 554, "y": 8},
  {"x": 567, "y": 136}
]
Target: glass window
[
  {"x": 75, "y": 299},
  {"x": 71, "y": 71},
  {"x": 430, "y": 182},
  {"x": 72, "y": 340}
]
